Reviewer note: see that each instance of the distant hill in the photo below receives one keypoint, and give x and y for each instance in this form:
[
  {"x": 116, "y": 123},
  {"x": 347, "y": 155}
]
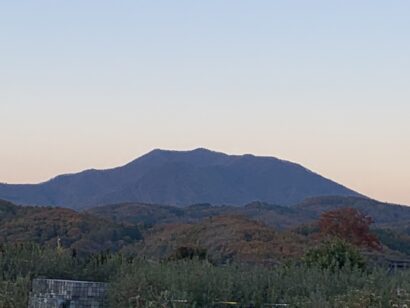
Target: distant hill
[
  {"x": 279, "y": 217},
  {"x": 148, "y": 215},
  {"x": 225, "y": 238},
  {"x": 223, "y": 230},
  {"x": 46, "y": 225},
  {"x": 257, "y": 232},
  {"x": 181, "y": 178},
  {"x": 382, "y": 213}
]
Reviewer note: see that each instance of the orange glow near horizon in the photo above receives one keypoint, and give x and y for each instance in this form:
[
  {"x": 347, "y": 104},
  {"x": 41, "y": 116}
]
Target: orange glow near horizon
[{"x": 95, "y": 84}]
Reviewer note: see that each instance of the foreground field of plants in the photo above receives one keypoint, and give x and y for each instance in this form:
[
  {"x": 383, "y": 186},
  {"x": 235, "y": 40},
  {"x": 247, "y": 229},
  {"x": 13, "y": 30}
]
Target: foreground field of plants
[{"x": 340, "y": 280}]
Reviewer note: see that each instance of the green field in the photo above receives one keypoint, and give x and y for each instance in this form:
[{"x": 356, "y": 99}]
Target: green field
[{"x": 196, "y": 283}]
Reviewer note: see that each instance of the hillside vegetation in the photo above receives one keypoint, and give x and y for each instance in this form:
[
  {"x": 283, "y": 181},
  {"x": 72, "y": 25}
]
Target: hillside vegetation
[
  {"x": 382, "y": 213},
  {"x": 81, "y": 232},
  {"x": 277, "y": 216},
  {"x": 165, "y": 228},
  {"x": 147, "y": 215},
  {"x": 257, "y": 232},
  {"x": 225, "y": 239},
  {"x": 323, "y": 252}
]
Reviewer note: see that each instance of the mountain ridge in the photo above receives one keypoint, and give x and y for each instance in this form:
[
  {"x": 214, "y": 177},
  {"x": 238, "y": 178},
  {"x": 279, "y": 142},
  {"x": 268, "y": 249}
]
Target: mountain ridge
[{"x": 181, "y": 178}]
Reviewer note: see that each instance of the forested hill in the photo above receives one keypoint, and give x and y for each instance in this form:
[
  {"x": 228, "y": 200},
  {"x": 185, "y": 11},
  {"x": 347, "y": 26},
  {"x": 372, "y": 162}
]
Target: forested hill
[
  {"x": 279, "y": 217},
  {"x": 165, "y": 228},
  {"x": 48, "y": 226}
]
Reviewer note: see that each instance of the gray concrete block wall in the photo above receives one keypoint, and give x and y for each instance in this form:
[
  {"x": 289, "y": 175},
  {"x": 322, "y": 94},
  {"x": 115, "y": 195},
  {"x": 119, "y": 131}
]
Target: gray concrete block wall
[{"x": 53, "y": 293}]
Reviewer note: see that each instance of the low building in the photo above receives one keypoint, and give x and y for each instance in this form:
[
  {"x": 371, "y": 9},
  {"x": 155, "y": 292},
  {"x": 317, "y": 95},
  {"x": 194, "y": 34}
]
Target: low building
[{"x": 54, "y": 293}]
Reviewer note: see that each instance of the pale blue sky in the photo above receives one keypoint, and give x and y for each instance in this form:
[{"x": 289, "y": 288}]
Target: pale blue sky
[{"x": 97, "y": 83}]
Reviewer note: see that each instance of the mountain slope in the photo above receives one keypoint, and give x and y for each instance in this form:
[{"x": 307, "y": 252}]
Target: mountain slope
[
  {"x": 225, "y": 238},
  {"x": 385, "y": 215},
  {"x": 45, "y": 225},
  {"x": 382, "y": 213},
  {"x": 148, "y": 215},
  {"x": 181, "y": 178}
]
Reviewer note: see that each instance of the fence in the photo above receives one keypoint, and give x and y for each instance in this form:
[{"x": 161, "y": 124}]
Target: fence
[
  {"x": 52, "y": 293},
  {"x": 138, "y": 302}
]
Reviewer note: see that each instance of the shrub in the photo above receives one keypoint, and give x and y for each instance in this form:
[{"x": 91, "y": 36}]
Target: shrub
[
  {"x": 184, "y": 252},
  {"x": 335, "y": 254}
]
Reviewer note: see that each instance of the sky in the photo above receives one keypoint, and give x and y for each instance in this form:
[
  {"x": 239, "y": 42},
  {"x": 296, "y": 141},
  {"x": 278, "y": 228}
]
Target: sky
[{"x": 95, "y": 84}]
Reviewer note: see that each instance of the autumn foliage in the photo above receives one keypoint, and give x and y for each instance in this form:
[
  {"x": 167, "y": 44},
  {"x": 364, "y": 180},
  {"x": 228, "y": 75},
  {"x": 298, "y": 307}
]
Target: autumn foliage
[{"x": 351, "y": 225}]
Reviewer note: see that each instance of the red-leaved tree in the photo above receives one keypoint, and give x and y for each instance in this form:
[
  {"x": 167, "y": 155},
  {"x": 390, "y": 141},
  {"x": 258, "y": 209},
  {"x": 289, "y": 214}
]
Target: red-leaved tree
[{"x": 351, "y": 225}]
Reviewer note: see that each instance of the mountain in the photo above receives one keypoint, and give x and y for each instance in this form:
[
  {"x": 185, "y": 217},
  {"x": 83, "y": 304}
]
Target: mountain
[{"x": 181, "y": 178}]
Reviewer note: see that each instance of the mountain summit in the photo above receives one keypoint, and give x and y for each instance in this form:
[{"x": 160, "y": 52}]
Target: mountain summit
[{"x": 181, "y": 178}]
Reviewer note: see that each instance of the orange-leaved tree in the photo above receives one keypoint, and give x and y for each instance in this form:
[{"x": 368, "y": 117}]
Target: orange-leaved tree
[{"x": 350, "y": 225}]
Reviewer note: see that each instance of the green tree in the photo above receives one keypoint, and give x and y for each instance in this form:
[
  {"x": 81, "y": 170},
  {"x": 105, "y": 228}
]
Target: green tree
[{"x": 335, "y": 254}]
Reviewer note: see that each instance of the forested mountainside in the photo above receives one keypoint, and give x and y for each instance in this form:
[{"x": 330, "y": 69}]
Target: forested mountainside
[
  {"x": 225, "y": 239},
  {"x": 52, "y": 227},
  {"x": 277, "y": 216},
  {"x": 381, "y": 212},
  {"x": 155, "y": 231},
  {"x": 148, "y": 215},
  {"x": 181, "y": 178}
]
